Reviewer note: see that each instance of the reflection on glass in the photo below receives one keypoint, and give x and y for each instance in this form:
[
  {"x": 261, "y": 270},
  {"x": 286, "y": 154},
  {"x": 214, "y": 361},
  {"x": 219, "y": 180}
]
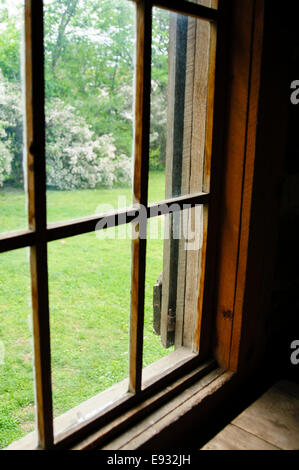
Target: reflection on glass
[
  {"x": 89, "y": 72},
  {"x": 12, "y": 195},
  {"x": 180, "y": 69},
  {"x": 17, "y": 410},
  {"x": 89, "y": 285}
]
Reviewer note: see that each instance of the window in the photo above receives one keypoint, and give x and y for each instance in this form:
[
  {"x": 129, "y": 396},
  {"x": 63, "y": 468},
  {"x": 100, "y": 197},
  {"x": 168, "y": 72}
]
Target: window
[{"x": 191, "y": 195}]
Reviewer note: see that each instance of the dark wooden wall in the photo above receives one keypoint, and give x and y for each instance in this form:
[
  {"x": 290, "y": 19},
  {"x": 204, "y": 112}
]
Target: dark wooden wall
[{"x": 284, "y": 311}]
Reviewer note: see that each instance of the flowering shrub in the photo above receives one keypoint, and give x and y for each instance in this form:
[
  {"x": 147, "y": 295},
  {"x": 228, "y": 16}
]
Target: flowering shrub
[
  {"x": 158, "y": 126},
  {"x": 76, "y": 158},
  {"x": 10, "y": 130},
  {"x": 5, "y": 158}
]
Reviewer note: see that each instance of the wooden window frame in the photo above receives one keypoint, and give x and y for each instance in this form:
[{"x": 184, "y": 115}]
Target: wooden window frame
[{"x": 218, "y": 337}]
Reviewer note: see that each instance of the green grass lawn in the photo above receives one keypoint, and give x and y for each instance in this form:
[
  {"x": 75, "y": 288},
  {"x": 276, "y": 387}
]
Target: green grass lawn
[{"x": 89, "y": 286}]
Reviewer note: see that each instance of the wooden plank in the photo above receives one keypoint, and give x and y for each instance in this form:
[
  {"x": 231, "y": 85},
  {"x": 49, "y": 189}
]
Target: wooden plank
[
  {"x": 215, "y": 143},
  {"x": 146, "y": 405},
  {"x": 269, "y": 166},
  {"x": 173, "y": 171},
  {"x": 171, "y": 410},
  {"x": 253, "y": 106},
  {"x": 36, "y": 183},
  {"x": 233, "y": 169},
  {"x": 198, "y": 144},
  {"x": 106, "y": 422},
  {"x": 140, "y": 185},
  {"x": 186, "y": 168},
  {"x": 234, "y": 438},
  {"x": 274, "y": 417},
  {"x": 201, "y": 332}
]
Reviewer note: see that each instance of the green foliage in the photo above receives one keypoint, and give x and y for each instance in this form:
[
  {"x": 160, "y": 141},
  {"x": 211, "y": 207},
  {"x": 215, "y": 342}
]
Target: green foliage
[
  {"x": 10, "y": 41},
  {"x": 89, "y": 65},
  {"x": 159, "y": 89}
]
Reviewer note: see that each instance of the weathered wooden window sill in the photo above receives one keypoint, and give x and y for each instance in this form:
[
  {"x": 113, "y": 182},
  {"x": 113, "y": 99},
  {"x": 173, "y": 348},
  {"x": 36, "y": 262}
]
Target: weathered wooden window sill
[{"x": 145, "y": 428}]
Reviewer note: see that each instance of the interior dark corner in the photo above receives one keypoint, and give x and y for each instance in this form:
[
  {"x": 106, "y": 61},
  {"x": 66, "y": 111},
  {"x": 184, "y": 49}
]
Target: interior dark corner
[{"x": 234, "y": 348}]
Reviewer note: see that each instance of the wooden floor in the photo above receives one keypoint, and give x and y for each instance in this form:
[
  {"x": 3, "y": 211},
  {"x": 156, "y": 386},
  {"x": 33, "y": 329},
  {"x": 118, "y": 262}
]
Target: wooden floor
[{"x": 270, "y": 423}]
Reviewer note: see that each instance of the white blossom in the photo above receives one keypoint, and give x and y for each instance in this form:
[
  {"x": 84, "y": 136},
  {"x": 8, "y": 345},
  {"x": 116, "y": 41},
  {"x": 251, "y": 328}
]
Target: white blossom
[{"x": 76, "y": 158}]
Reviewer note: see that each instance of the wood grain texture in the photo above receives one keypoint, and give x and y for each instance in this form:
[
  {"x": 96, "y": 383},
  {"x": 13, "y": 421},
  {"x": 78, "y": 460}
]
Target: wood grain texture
[
  {"x": 248, "y": 180},
  {"x": 270, "y": 423},
  {"x": 178, "y": 29},
  {"x": 197, "y": 157},
  {"x": 36, "y": 184},
  {"x": 274, "y": 417},
  {"x": 140, "y": 190},
  {"x": 151, "y": 425},
  {"x": 185, "y": 187},
  {"x": 269, "y": 147},
  {"x": 240, "y": 73},
  {"x": 234, "y": 438}
]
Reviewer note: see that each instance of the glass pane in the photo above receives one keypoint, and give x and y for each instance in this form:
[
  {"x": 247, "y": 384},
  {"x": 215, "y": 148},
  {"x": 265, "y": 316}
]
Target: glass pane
[
  {"x": 89, "y": 280},
  {"x": 173, "y": 281},
  {"x": 180, "y": 62},
  {"x": 89, "y": 73},
  {"x": 13, "y": 213},
  {"x": 17, "y": 409},
  {"x": 152, "y": 345}
]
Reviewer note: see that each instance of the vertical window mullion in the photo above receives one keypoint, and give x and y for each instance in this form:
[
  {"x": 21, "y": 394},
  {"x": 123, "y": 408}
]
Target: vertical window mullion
[
  {"x": 36, "y": 184},
  {"x": 140, "y": 185}
]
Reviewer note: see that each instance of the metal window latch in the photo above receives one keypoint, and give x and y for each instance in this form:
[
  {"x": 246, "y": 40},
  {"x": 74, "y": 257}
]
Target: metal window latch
[
  {"x": 157, "y": 311},
  {"x": 170, "y": 321},
  {"x": 157, "y": 305}
]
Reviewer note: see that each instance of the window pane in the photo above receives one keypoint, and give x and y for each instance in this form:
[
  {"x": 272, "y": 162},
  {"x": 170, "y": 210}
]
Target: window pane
[
  {"x": 89, "y": 65},
  {"x": 13, "y": 213},
  {"x": 174, "y": 271},
  {"x": 89, "y": 279},
  {"x": 152, "y": 345},
  {"x": 180, "y": 65},
  {"x": 17, "y": 410}
]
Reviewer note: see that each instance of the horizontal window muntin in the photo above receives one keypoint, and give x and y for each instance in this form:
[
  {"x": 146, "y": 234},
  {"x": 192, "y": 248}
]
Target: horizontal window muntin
[{"x": 57, "y": 231}]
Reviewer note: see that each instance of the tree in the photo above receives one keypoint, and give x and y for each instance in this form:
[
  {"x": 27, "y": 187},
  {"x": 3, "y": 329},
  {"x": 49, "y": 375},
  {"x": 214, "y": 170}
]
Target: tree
[
  {"x": 89, "y": 57},
  {"x": 159, "y": 88}
]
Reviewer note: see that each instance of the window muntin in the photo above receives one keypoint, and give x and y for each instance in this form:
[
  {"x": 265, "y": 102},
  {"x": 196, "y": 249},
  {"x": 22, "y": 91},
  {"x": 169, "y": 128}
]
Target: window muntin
[{"x": 38, "y": 236}]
